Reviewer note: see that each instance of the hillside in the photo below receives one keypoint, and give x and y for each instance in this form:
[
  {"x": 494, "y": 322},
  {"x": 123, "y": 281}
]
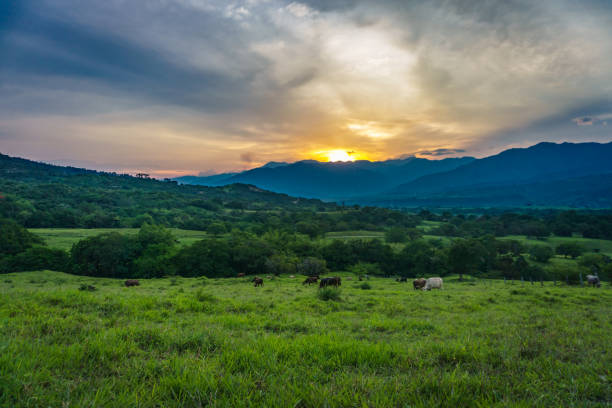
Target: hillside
[
  {"x": 43, "y": 195},
  {"x": 547, "y": 174}
]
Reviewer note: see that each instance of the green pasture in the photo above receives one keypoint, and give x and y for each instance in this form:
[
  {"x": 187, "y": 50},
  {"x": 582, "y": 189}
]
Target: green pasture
[
  {"x": 193, "y": 342},
  {"x": 64, "y": 238},
  {"x": 589, "y": 244}
]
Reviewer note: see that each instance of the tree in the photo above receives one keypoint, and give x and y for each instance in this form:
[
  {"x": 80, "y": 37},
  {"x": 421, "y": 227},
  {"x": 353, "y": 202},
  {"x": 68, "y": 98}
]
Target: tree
[
  {"x": 106, "y": 255},
  {"x": 15, "y": 239},
  {"x": 308, "y": 228},
  {"x": 594, "y": 262},
  {"x": 464, "y": 256},
  {"x": 36, "y": 258},
  {"x": 156, "y": 235},
  {"x": 339, "y": 255},
  {"x": 362, "y": 269},
  {"x": 396, "y": 235},
  {"x": 571, "y": 249},
  {"x": 208, "y": 257},
  {"x": 281, "y": 264},
  {"x": 311, "y": 266},
  {"x": 540, "y": 253},
  {"x": 216, "y": 228}
]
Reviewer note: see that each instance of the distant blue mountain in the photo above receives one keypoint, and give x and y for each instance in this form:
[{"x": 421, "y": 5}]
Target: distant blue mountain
[
  {"x": 332, "y": 180},
  {"x": 547, "y": 174}
]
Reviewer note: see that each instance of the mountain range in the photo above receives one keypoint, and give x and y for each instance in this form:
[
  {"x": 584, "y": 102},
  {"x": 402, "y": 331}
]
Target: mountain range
[{"x": 546, "y": 174}]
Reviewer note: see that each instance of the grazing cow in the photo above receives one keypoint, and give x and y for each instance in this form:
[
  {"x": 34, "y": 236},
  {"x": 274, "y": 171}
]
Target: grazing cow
[
  {"x": 292, "y": 276},
  {"x": 335, "y": 281},
  {"x": 258, "y": 281},
  {"x": 433, "y": 283},
  {"x": 131, "y": 282},
  {"x": 593, "y": 280},
  {"x": 241, "y": 275},
  {"x": 402, "y": 279},
  {"x": 269, "y": 277},
  {"x": 418, "y": 283},
  {"x": 310, "y": 280}
]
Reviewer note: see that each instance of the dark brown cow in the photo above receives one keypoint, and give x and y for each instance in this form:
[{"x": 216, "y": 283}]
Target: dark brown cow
[
  {"x": 131, "y": 282},
  {"x": 419, "y": 283},
  {"x": 258, "y": 281},
  {"x": 310, "y": 280},
  {"x": 241, "y": 275},
  {"x": 335, "y": 281}
]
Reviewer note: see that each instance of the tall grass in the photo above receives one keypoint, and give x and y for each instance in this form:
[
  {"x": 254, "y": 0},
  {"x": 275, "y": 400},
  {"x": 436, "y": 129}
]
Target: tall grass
[{"x": 227, "y": 343}]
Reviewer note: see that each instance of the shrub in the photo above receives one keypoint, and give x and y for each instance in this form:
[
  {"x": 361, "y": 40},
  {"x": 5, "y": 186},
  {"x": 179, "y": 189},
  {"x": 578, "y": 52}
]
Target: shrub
[
  {"x": 329, "y": 294},
  {"x": 365, "y": 286},
  {"x": 88, "y": 288}
]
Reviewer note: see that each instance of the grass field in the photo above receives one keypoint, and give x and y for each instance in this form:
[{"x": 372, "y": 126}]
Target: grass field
[
  {"x": 207, "y": 342},
  {"x": 64, "y": 238},
  {"x": 589, "y": 244}
]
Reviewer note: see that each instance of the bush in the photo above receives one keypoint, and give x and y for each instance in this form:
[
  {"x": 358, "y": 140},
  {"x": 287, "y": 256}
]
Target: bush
[
  {"x": 365, "y": 286},
  {"x": 88, "y": 288},
  {"x": 329, "y": 294}
]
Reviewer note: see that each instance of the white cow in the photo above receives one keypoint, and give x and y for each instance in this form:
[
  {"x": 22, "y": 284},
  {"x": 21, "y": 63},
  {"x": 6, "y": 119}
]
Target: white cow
[
  {"x": 433, "y": 283},
  {"x": 593, "y": 280}
]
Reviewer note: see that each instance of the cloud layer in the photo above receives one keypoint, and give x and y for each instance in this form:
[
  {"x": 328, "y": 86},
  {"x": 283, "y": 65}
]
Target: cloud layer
[{"x": 181, "y": 86}]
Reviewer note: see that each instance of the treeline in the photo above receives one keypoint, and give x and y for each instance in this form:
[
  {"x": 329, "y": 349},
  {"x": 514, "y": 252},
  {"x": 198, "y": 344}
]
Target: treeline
[
  {"x": 551, "y": 222},
  {"x": 154, "y": 252}
]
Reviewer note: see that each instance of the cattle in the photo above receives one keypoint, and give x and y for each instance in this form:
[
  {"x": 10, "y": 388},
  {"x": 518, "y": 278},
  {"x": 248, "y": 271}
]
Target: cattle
[
  {"x": 335, "y": 281},
  {"x": 241, "y": 275},
  {"x": 131, "y": 282},
  {"x": 433, "y": 283},
  {"x": 402, "y": 279},
  {"x": 418, "y": 283},
  {"x": 593, "y": 280},
  {"x": 310, "y": 280},
  {"x": 257, "y": 281}
]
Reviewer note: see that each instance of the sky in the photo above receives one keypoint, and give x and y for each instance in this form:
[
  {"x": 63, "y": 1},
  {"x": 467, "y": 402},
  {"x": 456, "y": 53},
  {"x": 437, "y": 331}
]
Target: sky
[{"x": 174, "y": 87}]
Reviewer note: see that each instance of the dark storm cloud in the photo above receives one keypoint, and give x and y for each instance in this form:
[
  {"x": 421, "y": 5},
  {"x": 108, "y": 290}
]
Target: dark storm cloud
[{"x": 71, "y": 55}]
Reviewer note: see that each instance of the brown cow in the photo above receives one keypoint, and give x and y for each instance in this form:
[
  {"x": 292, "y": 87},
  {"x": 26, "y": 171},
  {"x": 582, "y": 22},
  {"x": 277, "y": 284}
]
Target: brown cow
[
  {"x": 419, "y": 283},
  {"x": 310, "y": 280},
  {"x": 241, "y": 275},
  {"x": 258, "y": 281},
  {"x": 335, "y": 281},
  {"x": 131, "y": 282}
]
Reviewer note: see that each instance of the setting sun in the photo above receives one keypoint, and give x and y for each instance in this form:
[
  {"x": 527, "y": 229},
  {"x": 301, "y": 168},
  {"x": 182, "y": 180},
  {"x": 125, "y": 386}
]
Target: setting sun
[{"x": 339, "y": 155}]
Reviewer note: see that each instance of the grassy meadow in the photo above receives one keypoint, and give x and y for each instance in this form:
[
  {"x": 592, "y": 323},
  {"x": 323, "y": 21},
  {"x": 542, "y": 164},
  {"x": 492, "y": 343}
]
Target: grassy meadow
[
  {"x": 189, "y": 342},
  {"x": 64, "y": 238}
]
